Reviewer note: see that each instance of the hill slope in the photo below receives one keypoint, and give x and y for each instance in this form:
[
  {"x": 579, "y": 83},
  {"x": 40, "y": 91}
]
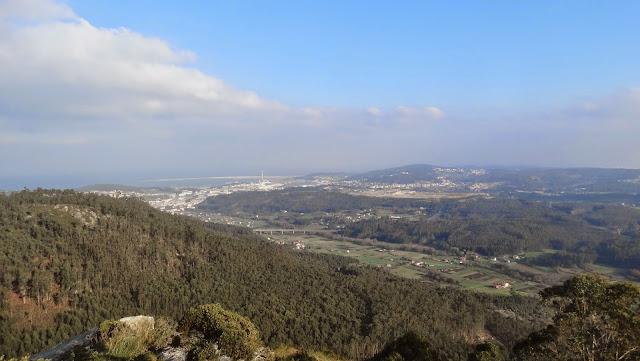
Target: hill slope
[
  {"x": 552, "y": 180},
  {"x": 71, "y": 260}
]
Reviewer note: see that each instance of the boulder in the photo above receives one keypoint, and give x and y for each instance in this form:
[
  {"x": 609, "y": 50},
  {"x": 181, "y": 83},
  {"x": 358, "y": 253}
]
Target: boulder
[
  {"x": 63, "y": 350},
  {"x": 173, "y": 354},
  {"x": 141, "y": 324}
]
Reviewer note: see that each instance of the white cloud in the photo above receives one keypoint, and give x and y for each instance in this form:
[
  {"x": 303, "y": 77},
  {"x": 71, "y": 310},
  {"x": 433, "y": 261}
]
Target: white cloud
[
  {"x": 375, "y": 111},
  {"x": 121, "y": 99},
  {"x": 313, "y": 112},
  {"x": 426, "y": 112},
  {"x": 43, "y": 139},
  {"x": 35, "y": 10},
  {"x": 589, "y": 106},
  {"x": 602, "y": 134},
  {"x": 60, "y": 71},
  {"x": 63, "y": 140},
  {"x": 7, "y": 140}
]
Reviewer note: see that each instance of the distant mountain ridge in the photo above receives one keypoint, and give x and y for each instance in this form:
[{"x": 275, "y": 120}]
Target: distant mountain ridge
[
  {"x": 312, "y": 176},
  {"x": 573, "y": 180},
  {"x": 401, "y": 175}
]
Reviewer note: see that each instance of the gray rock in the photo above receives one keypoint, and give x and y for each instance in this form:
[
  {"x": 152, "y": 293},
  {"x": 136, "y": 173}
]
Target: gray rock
[
  {"x": 173, "y": 354},
  {"x": 64, "y": 349},
  {"x": 139, "y": 323},
  {"x": 263, "y": 354}
]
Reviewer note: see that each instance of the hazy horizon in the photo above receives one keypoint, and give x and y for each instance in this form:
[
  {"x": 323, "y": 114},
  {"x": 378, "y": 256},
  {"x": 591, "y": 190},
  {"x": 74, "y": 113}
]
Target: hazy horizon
[
  {"x": 177, "y": 179},
  {"x": 101, "y": 92}
]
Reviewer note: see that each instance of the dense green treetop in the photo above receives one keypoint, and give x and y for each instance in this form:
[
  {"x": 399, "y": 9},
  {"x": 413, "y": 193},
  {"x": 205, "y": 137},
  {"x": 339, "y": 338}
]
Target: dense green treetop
[
  {"x": 71, "y": 260},
  {"x": 595, "y": 320}
]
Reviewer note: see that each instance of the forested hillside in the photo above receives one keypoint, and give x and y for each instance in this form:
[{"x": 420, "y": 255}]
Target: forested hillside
[
  {"x": 581, "y": 232},
  {"x": 70, "y": 260},
  {"x": 305, "y": 200}
]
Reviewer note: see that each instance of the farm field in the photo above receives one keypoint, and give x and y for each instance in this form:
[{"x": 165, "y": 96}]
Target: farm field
[
  {"x": 480, "y": 275},
  {"x": 615, "y": 274},
  {"x": 476, "y": 275}
]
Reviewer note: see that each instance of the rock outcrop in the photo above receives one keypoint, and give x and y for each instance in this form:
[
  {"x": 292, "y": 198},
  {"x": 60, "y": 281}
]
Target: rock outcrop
[
  {"x": 63, "y": 350},
  {"x": 139, "y": 323},
  {"x": 173, "y": 354}
]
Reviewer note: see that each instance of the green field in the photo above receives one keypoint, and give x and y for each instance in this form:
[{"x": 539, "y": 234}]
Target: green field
[
  {"x": 478, "y": 275},
  {"x": 470, "y": 275}
]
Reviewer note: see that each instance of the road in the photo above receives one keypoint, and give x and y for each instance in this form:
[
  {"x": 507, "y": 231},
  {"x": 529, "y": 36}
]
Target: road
[{"x": 291, "y": 230}]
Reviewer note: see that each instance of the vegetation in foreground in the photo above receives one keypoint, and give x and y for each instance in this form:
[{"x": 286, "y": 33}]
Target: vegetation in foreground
[{"x": 594, "y": 320}]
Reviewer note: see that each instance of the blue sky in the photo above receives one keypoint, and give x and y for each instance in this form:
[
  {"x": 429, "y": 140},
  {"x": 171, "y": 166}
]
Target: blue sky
[
  {"x": 361, "y": 54},
  {"x": 104, "y": 89}
]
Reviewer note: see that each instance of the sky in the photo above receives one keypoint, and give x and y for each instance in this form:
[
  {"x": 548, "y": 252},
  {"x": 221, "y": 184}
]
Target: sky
[{"x": 102, "y": 91}]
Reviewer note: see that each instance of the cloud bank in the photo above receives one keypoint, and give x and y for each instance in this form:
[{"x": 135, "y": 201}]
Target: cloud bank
[{"x": 75, "y": 97}]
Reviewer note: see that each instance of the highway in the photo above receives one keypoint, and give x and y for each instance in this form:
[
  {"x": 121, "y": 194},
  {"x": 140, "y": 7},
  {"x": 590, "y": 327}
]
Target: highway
[{"x": 291, "y": 230}]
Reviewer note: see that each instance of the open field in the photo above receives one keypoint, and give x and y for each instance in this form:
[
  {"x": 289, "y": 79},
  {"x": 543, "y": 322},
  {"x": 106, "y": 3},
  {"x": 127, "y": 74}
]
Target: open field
[
  {"x": 479, "y": 275},
  {"x": 399, "y": 262},
  {"x": 415, "y": 261}
]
